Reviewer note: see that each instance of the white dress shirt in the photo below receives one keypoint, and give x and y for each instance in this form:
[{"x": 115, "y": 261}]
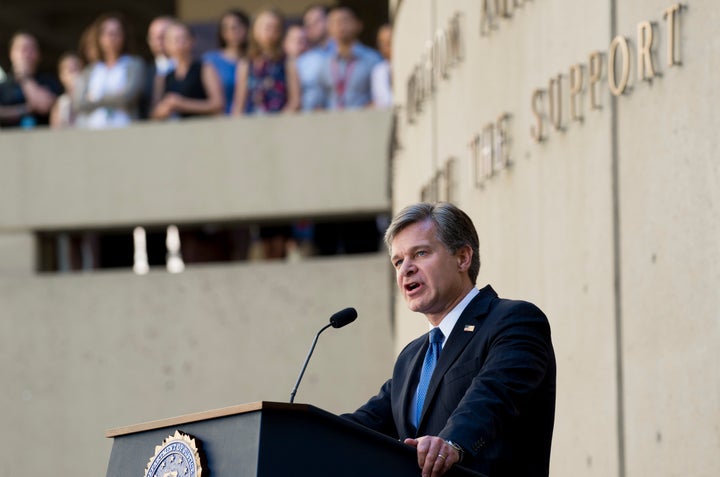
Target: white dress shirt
[{"x": 448, "y": 323}]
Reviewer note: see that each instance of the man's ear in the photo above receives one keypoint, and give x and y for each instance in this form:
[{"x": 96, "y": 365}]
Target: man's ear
[{"x": 464, "y": 255}]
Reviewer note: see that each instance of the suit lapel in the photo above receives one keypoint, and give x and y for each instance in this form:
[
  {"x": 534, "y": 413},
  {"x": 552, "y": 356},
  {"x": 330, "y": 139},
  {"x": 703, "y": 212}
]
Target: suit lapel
[{"x": 457, "y": 341}]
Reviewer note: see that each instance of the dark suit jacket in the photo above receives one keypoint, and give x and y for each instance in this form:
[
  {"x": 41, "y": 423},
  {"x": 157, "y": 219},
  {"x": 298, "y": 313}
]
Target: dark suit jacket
[
  {"x": 146, "y": 96},
  {"x": 492, "y": 391}
]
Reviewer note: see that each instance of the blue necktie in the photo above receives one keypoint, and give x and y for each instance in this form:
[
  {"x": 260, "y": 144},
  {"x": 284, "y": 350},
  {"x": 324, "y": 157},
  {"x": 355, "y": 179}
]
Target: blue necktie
[{"x": 431, "y": 358}]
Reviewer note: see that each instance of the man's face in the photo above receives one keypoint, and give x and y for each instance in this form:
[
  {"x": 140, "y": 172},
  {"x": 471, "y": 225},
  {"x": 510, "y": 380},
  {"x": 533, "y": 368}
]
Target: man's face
[
  {"x": 24, "y": 54},
  {"x": 156, "y": 33},
  {"x": 342, "y": 26},
  {"x": 315, "y": 25},
  {"x": 430, "y": 278}
]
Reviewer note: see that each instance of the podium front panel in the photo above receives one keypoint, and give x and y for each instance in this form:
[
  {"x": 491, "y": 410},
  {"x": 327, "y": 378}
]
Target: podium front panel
[{"x": 230, "y": 445}]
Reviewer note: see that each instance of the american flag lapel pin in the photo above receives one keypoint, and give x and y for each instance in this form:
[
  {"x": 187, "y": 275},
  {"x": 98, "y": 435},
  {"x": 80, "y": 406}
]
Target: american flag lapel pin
[{"x": 469, "y": 328}]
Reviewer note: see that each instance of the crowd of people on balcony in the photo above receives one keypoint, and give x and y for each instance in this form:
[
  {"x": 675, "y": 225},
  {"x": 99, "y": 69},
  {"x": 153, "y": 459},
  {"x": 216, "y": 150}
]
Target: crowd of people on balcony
[{"x": 263, "y": 66}]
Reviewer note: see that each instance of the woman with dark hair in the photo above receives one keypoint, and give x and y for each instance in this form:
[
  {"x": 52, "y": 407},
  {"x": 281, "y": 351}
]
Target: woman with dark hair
[
  {"x": 193, "y": 88},
  {"x": 266, "y": 81},
  {"x": 107, "y": 94},
  {"x": 233, "y": 31}
]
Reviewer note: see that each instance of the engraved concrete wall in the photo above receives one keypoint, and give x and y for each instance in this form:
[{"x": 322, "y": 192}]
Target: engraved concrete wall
[
  {"x": 608, "y": 222},
  {"x": 669, "y": 187}
]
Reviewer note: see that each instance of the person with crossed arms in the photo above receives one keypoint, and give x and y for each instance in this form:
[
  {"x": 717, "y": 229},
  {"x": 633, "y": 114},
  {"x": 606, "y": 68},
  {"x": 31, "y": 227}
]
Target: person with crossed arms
[{"x": 479, "y": 388}]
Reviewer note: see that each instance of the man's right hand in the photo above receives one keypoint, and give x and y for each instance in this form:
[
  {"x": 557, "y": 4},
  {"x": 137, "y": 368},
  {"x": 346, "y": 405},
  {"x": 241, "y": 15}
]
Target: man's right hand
[{"x": 435, "y": 456}]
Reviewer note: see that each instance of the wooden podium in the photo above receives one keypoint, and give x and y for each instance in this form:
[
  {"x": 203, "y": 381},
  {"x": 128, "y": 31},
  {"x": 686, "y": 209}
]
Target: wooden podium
[{"x": 270, "y": 440}]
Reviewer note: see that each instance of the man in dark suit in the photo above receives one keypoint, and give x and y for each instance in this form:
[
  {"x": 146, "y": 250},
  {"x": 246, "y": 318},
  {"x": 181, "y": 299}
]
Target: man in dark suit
[
  {"x": 479, "y": 389},
  {"x": 159, "y": 66}
]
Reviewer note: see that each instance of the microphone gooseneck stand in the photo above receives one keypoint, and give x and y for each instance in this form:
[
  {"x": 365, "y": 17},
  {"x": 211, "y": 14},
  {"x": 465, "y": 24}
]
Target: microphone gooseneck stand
[{"x": 307, "y": 360}]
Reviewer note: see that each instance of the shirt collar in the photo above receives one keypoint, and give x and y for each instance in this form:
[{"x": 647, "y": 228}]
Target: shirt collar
[
  {"x": 164, "y": 65},
  {"x": 448, "y": 323},
  {"x": 329, "y": 47},
  {"x": 355, "y": 52}
]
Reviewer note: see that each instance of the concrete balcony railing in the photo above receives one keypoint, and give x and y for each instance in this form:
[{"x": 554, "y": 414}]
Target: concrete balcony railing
[{"x": 320, "y": 164}]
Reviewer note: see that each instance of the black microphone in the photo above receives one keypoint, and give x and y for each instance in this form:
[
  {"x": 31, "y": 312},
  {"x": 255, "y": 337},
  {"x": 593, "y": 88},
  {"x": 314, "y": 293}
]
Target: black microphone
[
  {"x": 338, "y": 320},
  {"x": 343, "y": 317}
]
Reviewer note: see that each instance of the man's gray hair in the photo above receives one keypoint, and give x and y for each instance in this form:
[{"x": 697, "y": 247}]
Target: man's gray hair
[{"x": 454, "y": 228}]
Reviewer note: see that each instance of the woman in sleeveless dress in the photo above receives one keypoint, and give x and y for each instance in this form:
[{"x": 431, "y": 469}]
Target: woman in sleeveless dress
[
  {"x": 233, "y": 31},
  {"x": 193, "y": 88},
  {"x": 267, "y": 82}
]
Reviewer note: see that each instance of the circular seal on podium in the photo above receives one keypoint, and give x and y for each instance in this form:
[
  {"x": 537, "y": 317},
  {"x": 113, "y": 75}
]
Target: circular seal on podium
[{"x": 177, "y": 456}]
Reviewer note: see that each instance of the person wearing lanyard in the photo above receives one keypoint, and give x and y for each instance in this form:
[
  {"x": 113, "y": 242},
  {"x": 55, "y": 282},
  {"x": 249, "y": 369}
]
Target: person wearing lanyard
[
  {"x": 341, "y": 69},
  {"x": 347, "y": 75}
]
